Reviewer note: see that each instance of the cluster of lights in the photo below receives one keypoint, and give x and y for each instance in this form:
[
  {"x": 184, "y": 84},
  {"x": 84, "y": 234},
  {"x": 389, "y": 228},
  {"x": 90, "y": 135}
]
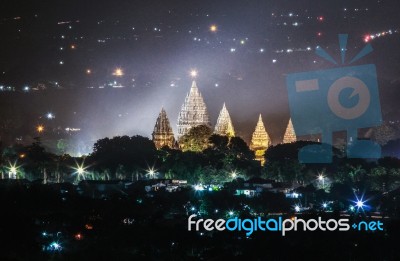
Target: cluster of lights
[{"x": 370, "y": 37}]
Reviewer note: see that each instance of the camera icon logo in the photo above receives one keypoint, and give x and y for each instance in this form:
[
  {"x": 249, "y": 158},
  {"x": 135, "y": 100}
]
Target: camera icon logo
[{"x": 340, "y": 99}]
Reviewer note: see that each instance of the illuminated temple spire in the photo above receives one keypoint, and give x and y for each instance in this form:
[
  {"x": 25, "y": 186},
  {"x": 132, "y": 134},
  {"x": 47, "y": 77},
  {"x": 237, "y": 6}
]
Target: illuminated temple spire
[
  {"x": 260, "y": 141},
  {"x": 162, "y": 134},
  {"x": 193, "y": 112},
  {"x": 290, "y": 134},
  {"x": 224, "y": 125}
]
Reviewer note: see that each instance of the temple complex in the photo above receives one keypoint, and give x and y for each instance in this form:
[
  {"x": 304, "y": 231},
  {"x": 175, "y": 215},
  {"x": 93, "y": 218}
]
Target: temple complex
[
  {"x": 193, "y": 112},
  {"x": 224, "y": 124},
  {"x": 163, "y": 134},
  {"x": 260, "y": 141},
  {"x": 290, "y": 134}
]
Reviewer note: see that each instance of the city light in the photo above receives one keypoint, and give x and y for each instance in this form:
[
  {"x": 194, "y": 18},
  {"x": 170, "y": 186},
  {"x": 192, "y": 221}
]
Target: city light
[
  {"x": 151, "y": 172},
  {"x": 193, "y": 73},
  {"x": 12, "y": 170},
  {"x": 198, "y": 187},
  {"x": 40, "y": 128},
  {"x": 213, "y": 28},
  {"x": 360, "y": 203},
  {"x": 118, "y": 72},
  {"x": 234, "y": 174},
  {"x": 324, "y": 205},
  {"x": 297, "y": 208},
  {"x": 55, "y": 246},
  {"x": 78, "y": 236},
  {"x": 321, "y": 178},
  {"x": 50, "y": 116},
  {"x": 80, "y": 170},
  {"x": 88, "y": 71}
]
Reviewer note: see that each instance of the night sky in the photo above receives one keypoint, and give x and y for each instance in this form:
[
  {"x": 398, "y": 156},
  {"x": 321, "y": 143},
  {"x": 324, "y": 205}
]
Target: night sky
[{"x": 73, "y": 48}]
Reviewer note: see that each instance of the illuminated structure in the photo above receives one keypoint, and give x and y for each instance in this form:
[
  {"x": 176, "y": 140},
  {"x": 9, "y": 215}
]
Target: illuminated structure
[
  {"x": 162, "y": 134},
  {"x": 260, "y": 141},
  {"x": 224, "y": 125},
  {"x": 193, "y": 112},
  {"x": 290, "y": 134}
]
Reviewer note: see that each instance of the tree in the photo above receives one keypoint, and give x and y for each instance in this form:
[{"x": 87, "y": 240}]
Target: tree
[
  {"x": 132, "y": 153},
  {"x": 197, "y": 139}
]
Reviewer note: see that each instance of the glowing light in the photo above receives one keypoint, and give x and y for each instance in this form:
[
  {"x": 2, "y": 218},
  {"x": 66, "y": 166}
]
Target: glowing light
[
  {"x": 151, "y": 172},
  {"x": 118, "y": 72},
  {"x": 297, "y": 208},
  {"x": 198, "y": 187},
  {"x": 78, "y": 236},
  {"x": 73, "y": 46},
  {"x": 55, "y": 246},
  {"x": 230, "y": 213},
  {"x": 320, "y": 18},
  {"x": 193, "y": 73},
  {"x": 234, "y": 174},
  {"x": 321, "y": 177},
  {"x": 213, "y": 28},
  {"x": 40, "y": 128},
  {"x": 193, "y": 208},
  {"x": 262, "y": 50},
  {"x": 89, "y": 226},
  {"x": 232, "y": 50},
  {"x": 325, "y": 205},
  {"x": 80, "y": 170},
  {"x": 242, "y": 42},
  {"x": 88, "y": 71},
  {"x": 360, "y": 203},
  {"x": 50, "y": 116},
  {"x": 12, "y": 170}
]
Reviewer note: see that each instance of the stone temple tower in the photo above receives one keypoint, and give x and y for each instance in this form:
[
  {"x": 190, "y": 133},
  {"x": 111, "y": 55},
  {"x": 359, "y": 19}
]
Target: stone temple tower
[
  {"x": 224, "y": 125},
  {"x": 162, "y": 134},
  {"x": 260, "y": 141},
  {"x": 290, "y": 134},
  {"x": 193, "y": 112}
]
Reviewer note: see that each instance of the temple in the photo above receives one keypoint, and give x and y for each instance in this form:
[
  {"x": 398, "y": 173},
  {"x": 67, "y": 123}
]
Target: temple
[
  {"x": 260, "y": 141},
  {"x": 162, "y": 134},
  {"x": 290, "y": 134},
  {"x": 224, "y": 125},
  {"x": 193, "y": 112}
]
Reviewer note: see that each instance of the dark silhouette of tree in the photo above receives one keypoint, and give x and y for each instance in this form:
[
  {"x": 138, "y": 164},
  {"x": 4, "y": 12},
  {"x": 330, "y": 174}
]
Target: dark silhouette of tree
[{"x": 133, "y": 153}]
